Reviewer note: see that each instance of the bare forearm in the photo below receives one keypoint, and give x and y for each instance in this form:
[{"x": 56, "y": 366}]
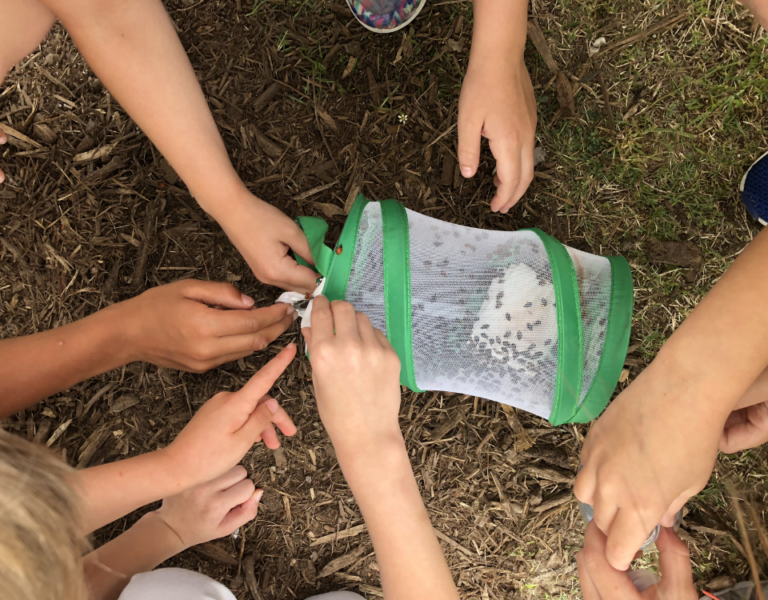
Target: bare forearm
[
  {"x": 35, "y": 366},
  {"x": 722, "y": 347},
  {"x": 133, "y": 48},
  {"x": 143, "y": 547},
  {"x": 111, "y": 491},
  {"x": 407, "y": 550},
  {"x": 500, "y": 29}
]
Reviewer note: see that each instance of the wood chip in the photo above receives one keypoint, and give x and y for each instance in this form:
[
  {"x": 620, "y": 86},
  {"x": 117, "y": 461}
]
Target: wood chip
[
  {"x": 216, "y": 552},
  {"x": 250, "y": 577},
  {"x": 44, "y": 133},
  {"x": 267, "y": 145},
  {"x": 313, "y": 191},
  {"x": 449, "y": 164},
  {"x": 266, "y": 97},
  {"x": 329, "y": 210},
  {"x": 95, "y": 154},
  {"x": 57, "y": 434},
  {"x": 503, "y": 497},
  {"x": 340, "y": 535},
  {"x": 342, "y": 562},
  {"x": 536, "y": 35},
  {"x": 439, "y": 432},
  {"x": 354, "y": 192},
  {"x": 124, "y": 402},
  {"x": 92, "y": 444},
  {"x": 554, "y": 501},
  {"x": 11, "y": 132},
  {"x": 280, "y": 460},
  {"x": 370, "y": 590},
  {"x": 350, "y": 67},
  {"x": 327, "y": 119},
  {"x": 551, "y": 474},
  {"x": 452, "y": 543}
]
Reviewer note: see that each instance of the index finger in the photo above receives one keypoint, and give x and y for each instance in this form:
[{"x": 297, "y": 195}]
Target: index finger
[
  {"x": 322, "y": 319},
  {"x": 507, "y": 157},
  {"x": 294, "y": 276},
  {"x": 258, "y": 385}
]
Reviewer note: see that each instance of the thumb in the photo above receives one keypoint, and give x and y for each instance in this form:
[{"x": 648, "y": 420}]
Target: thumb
[
  {"x": 307, "y": 333},
  {"x": 297, "y": 241},
  {"x": 675, "y": 565},
  {"x": 240, "y": 515},
  {"x": 469, "y": 144},
  {"x": 216, "y": 293}
]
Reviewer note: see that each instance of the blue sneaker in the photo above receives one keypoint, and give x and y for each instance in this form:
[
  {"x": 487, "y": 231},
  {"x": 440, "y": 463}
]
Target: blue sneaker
[
  {"x": 385, "y": 16},
  {"x": 754, "y": 189}
]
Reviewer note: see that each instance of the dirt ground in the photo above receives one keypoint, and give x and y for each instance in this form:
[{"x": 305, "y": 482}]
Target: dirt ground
[{"x": 651, "y": 174}]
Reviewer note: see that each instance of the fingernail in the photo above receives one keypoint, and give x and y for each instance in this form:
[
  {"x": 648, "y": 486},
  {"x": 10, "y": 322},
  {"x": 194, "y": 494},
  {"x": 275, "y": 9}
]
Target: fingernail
[
  {"x": 466, "y": 171},
  {"x": 247, "y": 300},
  {"x": 258, "y": 494},
  {"x": 289, "y": 310},
  {"x": 272, "y": 405}
]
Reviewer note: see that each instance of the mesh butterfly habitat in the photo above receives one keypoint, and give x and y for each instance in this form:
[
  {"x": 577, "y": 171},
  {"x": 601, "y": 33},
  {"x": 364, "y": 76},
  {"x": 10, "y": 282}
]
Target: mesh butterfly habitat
[{"x": 515, "y": 317}]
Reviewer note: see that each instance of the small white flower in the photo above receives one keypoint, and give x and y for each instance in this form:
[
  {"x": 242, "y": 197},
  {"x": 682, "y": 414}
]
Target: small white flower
[{"x": 403, "y": 118}]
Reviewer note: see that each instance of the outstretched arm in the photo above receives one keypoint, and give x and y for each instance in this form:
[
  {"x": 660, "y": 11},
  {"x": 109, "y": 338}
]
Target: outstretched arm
[
  {"x": 133, "y": 48},
  {"x": 171, "y": 326},
  {"x": 357, "y": 382},
  {"x": 657, "y": 442},
  {"x": 214, "y": 441}
]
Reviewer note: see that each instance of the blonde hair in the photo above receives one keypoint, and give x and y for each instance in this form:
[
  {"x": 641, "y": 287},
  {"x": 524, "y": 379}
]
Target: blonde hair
[{"x": 41, "y": 546}]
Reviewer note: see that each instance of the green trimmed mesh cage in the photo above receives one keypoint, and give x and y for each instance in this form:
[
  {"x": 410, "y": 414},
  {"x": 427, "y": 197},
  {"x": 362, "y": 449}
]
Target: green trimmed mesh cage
[{"x": 514, "y": 317}]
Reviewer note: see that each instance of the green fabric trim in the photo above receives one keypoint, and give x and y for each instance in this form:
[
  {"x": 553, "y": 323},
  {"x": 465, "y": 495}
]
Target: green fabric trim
[
  {"x": 332, "y": 264},
  {"x": 341, "y": 265},
  {"x": 315, "y": 229},
  {"x": 616, "y": 342},
  {"x": 397, "y": 287},
  {"x": 570, "y": 353}
]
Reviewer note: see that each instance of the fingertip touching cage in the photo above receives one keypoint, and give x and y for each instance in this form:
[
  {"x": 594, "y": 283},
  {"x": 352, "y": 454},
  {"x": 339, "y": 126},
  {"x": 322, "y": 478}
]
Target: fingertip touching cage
[{"x": 515, "y": 317}]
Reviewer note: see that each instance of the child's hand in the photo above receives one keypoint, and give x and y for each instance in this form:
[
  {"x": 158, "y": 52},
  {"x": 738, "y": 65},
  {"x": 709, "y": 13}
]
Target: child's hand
[
  {"x": 226, "y": 426},
  {"x": 497, "y": 102},
  {"x": 213, "y": 509},
  {"x": 356, "y": 375},
  {"x": 264, "y": 235},
  {"x": 652, "y": 449},
  {"x": 174, "y": 325},
  {"x": 600, "y": 581}
]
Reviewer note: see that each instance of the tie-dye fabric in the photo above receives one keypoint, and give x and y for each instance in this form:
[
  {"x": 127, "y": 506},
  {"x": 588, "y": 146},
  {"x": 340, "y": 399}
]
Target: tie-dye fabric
[{"x": 385, "y": 15}]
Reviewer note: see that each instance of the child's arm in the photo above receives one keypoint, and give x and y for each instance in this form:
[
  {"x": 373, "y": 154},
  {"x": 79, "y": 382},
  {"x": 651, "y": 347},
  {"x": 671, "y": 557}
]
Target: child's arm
[
  {"x": 170, "y": 326},
  {"x": 497, "y": 100},
  {"x": 206, "y": 512},
  {"x": 216, "y": 438},
  {"x": 134, "y": 50},
  {"x": 657, "y": 442},
  {"x": 357, "y": 383}
]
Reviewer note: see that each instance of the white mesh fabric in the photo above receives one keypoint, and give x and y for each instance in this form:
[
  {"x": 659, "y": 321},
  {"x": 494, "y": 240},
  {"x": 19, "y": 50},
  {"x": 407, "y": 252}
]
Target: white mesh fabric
[
  {"x": 365, "y": 289},
  {"x": 594, "y": 276},
  {"x": 483, "y": 313}
]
